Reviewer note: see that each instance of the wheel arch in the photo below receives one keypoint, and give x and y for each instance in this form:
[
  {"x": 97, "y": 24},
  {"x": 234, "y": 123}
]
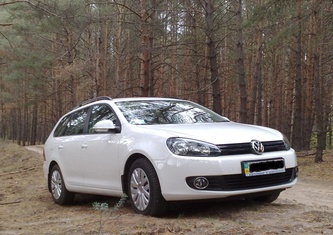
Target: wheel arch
[
  {"x": 129, "y": 162},
  {"x": 51, "y": 165},
  {"x": 155, "y": 205}
]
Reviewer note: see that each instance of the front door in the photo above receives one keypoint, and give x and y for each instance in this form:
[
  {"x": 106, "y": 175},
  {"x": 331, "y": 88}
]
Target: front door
[{"x": 100, "y": 153}]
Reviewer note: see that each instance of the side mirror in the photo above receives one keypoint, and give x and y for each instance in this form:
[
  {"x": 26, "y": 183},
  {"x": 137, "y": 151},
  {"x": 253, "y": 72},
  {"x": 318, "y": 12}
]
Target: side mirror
[{"x": 105, "y": 126}]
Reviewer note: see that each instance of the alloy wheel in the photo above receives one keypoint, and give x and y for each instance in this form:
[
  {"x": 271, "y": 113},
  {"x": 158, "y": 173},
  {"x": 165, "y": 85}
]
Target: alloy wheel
[
  {"x": 140, "y": 189},
  {"x": 56, "y": 184}
]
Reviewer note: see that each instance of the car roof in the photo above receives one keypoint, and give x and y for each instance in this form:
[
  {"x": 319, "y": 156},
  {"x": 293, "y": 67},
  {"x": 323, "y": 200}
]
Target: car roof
[
  {"x": 106, "y": 99},
  {"x": 143, "y": 98}
]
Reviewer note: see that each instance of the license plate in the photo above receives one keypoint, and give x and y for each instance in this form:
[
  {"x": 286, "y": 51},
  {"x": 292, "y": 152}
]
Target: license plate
[{"x": 254, "y": 168}]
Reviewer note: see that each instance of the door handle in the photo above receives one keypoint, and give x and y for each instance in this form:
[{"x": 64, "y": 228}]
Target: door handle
[
  {"x": 60, "y": 147},
  {"x": 84, "y": 146}
]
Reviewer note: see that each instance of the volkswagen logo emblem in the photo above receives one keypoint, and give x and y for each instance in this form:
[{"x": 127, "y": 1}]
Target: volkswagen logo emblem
[{"x": 257, "y": 147}]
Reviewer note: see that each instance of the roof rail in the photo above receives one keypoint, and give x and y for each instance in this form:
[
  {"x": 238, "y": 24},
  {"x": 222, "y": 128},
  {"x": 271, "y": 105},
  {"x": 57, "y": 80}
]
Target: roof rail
[{"x": 93, "y": 100}]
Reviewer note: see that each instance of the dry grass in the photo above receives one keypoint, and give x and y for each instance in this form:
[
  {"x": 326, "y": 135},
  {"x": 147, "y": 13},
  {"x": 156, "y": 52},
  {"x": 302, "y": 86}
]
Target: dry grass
[
  {"x": 319, "y": 171},
  {"x": 14, "y": 157}
]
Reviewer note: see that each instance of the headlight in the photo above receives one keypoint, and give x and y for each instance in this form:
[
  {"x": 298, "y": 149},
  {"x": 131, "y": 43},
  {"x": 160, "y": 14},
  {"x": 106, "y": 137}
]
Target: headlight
[
  {"x": 286, "y": 142},
  {"x": 189, "y": 147}
]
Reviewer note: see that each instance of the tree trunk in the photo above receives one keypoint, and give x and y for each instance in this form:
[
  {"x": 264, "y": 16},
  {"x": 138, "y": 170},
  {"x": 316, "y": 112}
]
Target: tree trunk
[
  {"x": 319, "y": 106},
  {"x": 34, "y": 122},
  {"x": 258, "y": 74},
  {"x": 241, "y": 66},
  {"x": 297, "y": 111},
  {"x": 103, "y": 59},
  {"x": 212, "y": 55},
  {"x": 146, "y": 53}
]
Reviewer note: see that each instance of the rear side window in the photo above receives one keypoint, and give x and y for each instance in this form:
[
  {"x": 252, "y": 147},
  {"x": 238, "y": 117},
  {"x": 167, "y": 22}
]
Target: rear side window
[
  {"x": 72, "y": 124},
  {"x": 61, "y": 128}
]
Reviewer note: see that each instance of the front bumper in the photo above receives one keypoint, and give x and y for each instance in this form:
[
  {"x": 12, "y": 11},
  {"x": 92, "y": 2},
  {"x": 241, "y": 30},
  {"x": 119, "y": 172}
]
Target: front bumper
[{"x": 225, "y": 176}]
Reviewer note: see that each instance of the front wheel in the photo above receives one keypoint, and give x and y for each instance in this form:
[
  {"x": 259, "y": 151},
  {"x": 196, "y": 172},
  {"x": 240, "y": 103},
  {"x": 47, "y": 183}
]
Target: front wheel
[
  {"x": 144, "y": 189},
  {"x": 58, "y": 189}
]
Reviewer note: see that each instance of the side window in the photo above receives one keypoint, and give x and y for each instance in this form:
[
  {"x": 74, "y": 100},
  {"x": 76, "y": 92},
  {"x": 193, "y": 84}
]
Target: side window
[
  {"x": 72, "y": 124},
  {"x": 76, "y": 124},
  {"x": 99, "y": 113},
  {"x": 61, "y": 128}
]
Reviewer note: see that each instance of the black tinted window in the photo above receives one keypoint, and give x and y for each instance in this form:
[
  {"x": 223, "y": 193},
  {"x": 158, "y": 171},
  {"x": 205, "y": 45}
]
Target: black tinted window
[
  {"x": 61, "y": 128},
  {"x": 99, "y": 113},
  {"x": 72, "y": 124}
]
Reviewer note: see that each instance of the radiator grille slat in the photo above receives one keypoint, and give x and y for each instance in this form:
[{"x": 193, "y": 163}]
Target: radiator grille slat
[{"x": 245, "y": 148}]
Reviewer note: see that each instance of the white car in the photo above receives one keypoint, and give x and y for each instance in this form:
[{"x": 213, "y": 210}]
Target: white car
[{"x": 157, "y": 150}]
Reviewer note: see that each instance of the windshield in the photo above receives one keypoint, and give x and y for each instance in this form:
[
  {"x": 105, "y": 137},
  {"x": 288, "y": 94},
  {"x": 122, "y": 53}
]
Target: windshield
[{"x": 152, "y": 112}]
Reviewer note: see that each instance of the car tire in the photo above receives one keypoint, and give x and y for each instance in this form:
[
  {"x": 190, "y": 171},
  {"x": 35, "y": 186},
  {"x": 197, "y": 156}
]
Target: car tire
[
  {"x": 144, "y": 189},
  {"x": 58, "y": 189},
  {"x": 269, "y": 198}
]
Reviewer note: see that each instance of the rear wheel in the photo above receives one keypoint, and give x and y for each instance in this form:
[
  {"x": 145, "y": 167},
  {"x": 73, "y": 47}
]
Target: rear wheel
[
  {"x": 144, "y": 189},
  {"x": 58, "y": 189}
]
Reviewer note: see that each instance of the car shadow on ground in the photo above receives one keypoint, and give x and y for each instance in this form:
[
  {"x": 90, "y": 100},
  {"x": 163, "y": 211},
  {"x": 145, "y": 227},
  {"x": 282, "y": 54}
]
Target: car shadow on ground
[{"x": 206, "y": 208}]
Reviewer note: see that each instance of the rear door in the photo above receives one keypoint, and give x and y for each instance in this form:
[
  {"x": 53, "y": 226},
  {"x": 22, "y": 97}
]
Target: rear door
[{"x": 70, "y": 134}]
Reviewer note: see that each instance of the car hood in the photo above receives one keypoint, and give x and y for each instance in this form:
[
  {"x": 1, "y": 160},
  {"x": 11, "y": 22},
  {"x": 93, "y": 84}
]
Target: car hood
[{"x": 216, "y": 133}]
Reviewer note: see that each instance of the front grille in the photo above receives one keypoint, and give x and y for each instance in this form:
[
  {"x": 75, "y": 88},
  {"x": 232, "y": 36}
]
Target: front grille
[
  {"x": 244, "y": 148},
  {"x": 242, "y": 182}
]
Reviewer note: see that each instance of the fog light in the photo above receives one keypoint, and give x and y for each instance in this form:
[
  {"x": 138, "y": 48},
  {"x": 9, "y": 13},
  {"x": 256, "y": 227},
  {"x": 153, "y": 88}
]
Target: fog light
[{"x": 200, "y": 182}]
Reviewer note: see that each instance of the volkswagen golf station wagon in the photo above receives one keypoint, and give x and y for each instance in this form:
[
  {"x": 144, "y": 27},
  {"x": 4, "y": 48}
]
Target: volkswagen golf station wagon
[{"x": 159, "y": 150}]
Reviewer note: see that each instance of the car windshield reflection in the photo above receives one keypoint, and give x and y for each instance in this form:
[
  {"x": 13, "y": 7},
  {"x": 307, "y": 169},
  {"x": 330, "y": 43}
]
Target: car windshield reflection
[{"x": 155, "y": 112}]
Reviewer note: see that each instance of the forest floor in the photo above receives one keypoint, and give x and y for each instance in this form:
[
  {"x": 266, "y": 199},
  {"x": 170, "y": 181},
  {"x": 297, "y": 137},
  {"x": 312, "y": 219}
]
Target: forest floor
[{"x": 26, "y": 206}]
